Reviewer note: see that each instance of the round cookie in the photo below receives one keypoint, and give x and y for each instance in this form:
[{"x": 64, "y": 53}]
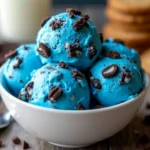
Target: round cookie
[
  {"x": 120, "y": 17},
  {"x": 57, "y": 86},
  {"x": 114, "y": 81},
  {"x": 131, "y": 6},
  {"x": 145, "y": 58},
  {"x": 69, "y": 37},
  {"x": 131, "y": 27},
  {"x": 131, "y": 39}
]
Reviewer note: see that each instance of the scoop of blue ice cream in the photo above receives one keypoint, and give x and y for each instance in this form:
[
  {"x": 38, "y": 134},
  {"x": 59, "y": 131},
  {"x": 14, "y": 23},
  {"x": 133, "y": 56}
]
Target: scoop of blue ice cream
[
  {"x": 69, "y": 37},
  {"x": 112, "y": 45},
  {"x": 18, "y": 67},
  {"x": 115, "y": 80},
  {"x": 57, "y": 86}
]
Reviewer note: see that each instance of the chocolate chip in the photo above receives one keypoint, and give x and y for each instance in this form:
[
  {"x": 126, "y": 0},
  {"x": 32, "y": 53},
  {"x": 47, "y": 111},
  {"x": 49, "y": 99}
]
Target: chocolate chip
[
  {"x": 101, "y": 37},
  {"x": 72, "y": 12},
  {"x": 110, "y": 71},
  {"x": 11, "y": 54},
  {"x": 73, "y": 50},
  {"x": 44, "y": 21},
  {"x": 147, "y": 120},
  {"x": 28, "y": 90},
  {"x": 76, "y": 74},
  {"x": 63, "y": 65},
  {"x": 80, "y": 107},
  {"x": 96, "y": 83},
  {"x": 55, "y": 93},
  {"x": 80, "y": 23},
  {"x": 43, "y": 50},
  {"x": 118, "y": 41},
  {"x": 16, "y": 140},
  {"x": 25, "y": 145},
  {"x": 125, "y": 77},
  {"x": 56, "y": 24},
  {"x": 18, "y": 62},
  {"x": 113, "y": 54},
  {"x": 92, "y": 51}
]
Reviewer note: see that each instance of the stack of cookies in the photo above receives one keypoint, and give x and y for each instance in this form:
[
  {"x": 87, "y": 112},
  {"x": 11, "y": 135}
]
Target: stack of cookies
[{"x": 129, "y": 20}]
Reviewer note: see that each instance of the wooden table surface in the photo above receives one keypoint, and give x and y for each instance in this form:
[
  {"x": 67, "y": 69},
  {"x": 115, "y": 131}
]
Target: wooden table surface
[{"x": 124, "y": 140}]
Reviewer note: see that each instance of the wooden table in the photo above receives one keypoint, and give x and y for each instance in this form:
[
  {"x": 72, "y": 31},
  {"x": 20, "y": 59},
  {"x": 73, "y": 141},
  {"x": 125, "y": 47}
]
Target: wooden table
[{"x": 124, "y": 140}]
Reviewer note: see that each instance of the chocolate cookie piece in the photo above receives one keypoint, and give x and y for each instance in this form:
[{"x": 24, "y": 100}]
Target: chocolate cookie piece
[
  {"x": 110, "y": 71},
  {"x": 16, "y": 140},
  {"x": 18, "y": 62},
  {"x": 92, "y": 51},
  {"x": 56, "y": 24},
  {"x": 28, "y": 90},
  {"x": 43, "y": 50},
  {"x": 113, "y": 54},
  {"x": 44, "y": 21},
  {"x": 11, "y": 54},
  {"x": 55, "y": 93},
  {"x": 80, "y": 23},
  {"x": 73, "y": 50},
  {"x": 125, "y": 77},
  {"x": 76, "y": 74},
  {"x": 63, "y": 65},
  {"x": 25, "y": 145},
  {"x": 72, "y": 12},
  {"x": 96, "y": 83},
  {"x": 80, "y": 107}
]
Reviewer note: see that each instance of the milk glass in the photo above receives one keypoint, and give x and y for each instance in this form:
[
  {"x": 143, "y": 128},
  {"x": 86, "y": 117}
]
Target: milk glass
[{"x": 20, "y": 19}]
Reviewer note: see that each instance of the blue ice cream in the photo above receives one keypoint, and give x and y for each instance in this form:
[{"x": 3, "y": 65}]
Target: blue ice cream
[
  {"x": 21, "y": 62},
  {"x": 69, "y": 37},
  {"x": 112, "y": 45},
  {"x": 114, "y": 81},
  {"x": 57, "y": 86}
]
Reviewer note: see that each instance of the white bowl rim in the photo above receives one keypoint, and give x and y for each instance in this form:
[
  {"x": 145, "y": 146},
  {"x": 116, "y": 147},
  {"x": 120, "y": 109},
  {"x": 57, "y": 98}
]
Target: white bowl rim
[{"x": 123, "y": 104}]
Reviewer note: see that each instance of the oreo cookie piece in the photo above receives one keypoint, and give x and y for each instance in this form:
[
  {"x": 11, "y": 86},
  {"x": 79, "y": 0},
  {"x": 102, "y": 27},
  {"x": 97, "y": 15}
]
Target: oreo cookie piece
[
  {"x": 44, "y": 21},
  {"x": 125, "y": 77},
  {"x": 110, "y": 71},
  {"x": 28, "y": 90},
  {"x": 80, "y": 107},
  {"x": 63, "y": 65},
  {"x": 55, "y": 93},
  {"x": 73, "y": 50},
  {"x": 72, "y": 12},
  {"x": 76, "y": 74},
  {"x": 43, "y": 50},
  {"x": 18, "y": 62},
  {"x": 96, "y": 83},
  {"x": 92, "y": 51},
  {"x": 25, "y": 145},
  {"x": 113, "y": 55},
  {"x": 80, "y": 23},
  {"x": 56, "y": 24}
]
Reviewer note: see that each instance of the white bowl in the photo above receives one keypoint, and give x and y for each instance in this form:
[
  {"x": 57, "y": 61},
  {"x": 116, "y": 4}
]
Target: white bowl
[{"x": 72, "y": 128}]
